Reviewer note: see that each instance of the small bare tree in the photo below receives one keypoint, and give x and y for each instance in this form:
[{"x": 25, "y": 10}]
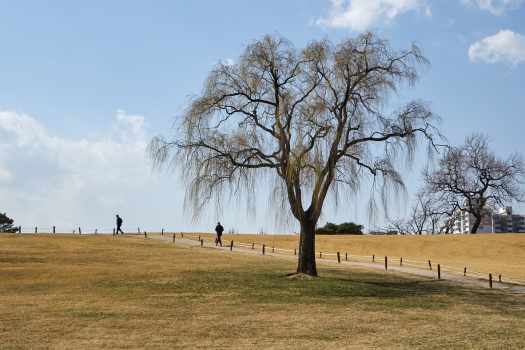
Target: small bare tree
[
  {"x": 429, "y": 214},
  {"x": 311, "y": 119},
  {"x": 472, "y": 178},
  {"x": 421, "y": 214}
]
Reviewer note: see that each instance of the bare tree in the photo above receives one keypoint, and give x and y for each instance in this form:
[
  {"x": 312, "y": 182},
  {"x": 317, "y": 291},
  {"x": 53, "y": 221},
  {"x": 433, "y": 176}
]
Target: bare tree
[
  {"x": 398, "y": 226},
  {"x": 416, "y": 221},
  {"x": 310, "y": 119},
  {"x": 441, "y": 212},
  {"x": 472, "y": 178},
  {"x": 421, "y": 214},
  {"x": 429, "y": 214}
]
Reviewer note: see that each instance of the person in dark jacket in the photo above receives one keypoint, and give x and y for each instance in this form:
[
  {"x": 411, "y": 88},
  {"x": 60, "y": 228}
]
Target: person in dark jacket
[
  {"x": 219, "y": 230},
  {"x": 119, "y": 225}
]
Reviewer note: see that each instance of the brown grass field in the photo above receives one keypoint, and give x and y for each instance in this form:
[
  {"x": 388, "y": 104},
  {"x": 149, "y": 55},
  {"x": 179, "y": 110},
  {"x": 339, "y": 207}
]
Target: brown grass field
[
  {"x": 89, "y": 292},
  {"x": 484, "y": 253}
]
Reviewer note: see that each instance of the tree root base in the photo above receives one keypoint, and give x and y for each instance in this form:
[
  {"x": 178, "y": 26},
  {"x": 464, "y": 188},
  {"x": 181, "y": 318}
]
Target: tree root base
[{"x": 299, "y": 276}]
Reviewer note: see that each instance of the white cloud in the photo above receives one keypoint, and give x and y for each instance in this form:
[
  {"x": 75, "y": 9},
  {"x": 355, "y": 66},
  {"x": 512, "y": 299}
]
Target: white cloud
[
  {"x": 503, "y": 47},
  {"x": 360, "y": 15},
  {"x": 496, "y": 7},
  {"x": 48, "y": 179}
]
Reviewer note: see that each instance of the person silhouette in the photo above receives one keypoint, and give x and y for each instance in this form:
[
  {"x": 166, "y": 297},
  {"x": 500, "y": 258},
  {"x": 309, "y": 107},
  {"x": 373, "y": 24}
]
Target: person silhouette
[
  {"x": 119, "y": 225},
  {"x": 219, "y": 230}
]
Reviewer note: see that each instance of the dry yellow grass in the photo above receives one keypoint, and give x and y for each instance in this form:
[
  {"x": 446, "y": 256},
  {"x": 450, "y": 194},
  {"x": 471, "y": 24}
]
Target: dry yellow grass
[
  {"x": 485, "y": 253},
  {"x": 131, "y": 293}
]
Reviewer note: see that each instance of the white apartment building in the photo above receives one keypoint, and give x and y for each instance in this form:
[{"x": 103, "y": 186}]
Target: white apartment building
[{"x": 499, "y": 221}]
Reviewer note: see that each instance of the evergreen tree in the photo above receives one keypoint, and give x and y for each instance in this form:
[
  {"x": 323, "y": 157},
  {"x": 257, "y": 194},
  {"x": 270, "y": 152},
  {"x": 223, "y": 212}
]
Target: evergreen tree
[
  {"x": 6, "y": 223},
  {"x": 346, "y": 228}
]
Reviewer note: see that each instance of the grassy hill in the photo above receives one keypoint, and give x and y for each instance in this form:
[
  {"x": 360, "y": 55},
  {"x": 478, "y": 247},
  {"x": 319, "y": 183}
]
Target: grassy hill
[{"x": 130, "y": 293}]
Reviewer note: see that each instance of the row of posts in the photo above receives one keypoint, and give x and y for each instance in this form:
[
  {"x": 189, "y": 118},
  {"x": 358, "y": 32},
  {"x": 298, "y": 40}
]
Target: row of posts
[
  {"x": 54, "y": 230},
  {"x": 19, "y": 230},
  {"x": 346, "y": 258},
  {"x": 373, "y": 260},
  {"x": 430, "y": 268},
  {"x": 295, "y": 252}
]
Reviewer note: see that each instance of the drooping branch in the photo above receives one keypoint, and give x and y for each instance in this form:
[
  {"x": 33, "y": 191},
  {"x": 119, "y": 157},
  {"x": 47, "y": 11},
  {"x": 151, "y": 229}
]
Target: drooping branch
[{"x": 312, "y": 117}]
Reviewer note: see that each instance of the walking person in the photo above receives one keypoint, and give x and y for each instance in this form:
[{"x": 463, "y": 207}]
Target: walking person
[
  {"x": 119, "y": 225},
  {"x": 219, "y": 230}
]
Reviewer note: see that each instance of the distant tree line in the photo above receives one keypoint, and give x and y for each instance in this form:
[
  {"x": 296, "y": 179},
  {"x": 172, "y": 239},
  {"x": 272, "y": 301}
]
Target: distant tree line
[{"x": 346, "y": 228}]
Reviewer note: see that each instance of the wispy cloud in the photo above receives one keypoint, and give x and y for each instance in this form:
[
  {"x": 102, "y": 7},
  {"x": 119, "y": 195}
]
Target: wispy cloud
[
  {"x": 361, "y": 15},
  {"x": 496, "y": 7}
]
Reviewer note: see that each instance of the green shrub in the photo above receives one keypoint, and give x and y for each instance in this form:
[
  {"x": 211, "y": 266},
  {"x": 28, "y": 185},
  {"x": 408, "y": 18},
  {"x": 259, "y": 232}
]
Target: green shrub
[{"x": 346, "y": 228}]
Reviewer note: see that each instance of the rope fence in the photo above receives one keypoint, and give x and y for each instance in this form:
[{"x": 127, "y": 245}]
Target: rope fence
[
  {"x": 438, "y": 269},
  {"x": 62, "y": 230},
  {"x": 265, "y": 249}
]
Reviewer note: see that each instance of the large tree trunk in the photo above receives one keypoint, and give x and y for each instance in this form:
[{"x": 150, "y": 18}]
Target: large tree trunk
[
  {"x": 306, "y": 262},
  {"x": 476, "y": 224}
]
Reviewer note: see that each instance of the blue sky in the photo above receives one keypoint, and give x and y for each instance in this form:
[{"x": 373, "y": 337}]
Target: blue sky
[{"x": 85, "y": 87}]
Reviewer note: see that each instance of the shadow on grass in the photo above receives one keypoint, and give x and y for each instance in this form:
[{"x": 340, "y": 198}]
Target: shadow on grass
[{"x": 368, "y": 290}]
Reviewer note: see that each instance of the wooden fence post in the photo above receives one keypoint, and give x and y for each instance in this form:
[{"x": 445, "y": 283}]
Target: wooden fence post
[
  {"x": 54, "y": 230},
  {"x": 263, "y": 248},
  {"x": 346, "y": 256},
  {"x": 253, "y": 246},
  {"x": 138, "y": 230},
  {"x": 386, "y": 263},
  {"x": 373, "y": 258},
  {"x": 173, "y": 237},
  {"x": 79, "y": 230},
  {"x": 295, "y": 251},
  {"x": 490, "y": 280},
  {"x": 36, "y": 230},
  {"x": 401, "y": 261},
  {"x": 320, "y": 255},
  {"x": 202, "y": 243},
  {"x": 499, "y": 278},
  {"x": 145, "y": 234},
  {"x": 338, "y": 258},
  {"x": 465, "y": 271},
  {"x": 199, "y": 237},
  {"x": 162, "y": 232},
  {"x": 273, "y": 249},
  {"x": 181, "y": 235},
  {"x": 430, "y": 265},
  {"x": 231, "y": 245},
  {"x": 20, "y": 229},
  {"x": 439, "y": 271}
]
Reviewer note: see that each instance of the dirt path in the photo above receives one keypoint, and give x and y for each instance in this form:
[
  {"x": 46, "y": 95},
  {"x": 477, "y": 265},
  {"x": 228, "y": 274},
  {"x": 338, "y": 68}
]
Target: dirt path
[{"x": 431, "y": 274}]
